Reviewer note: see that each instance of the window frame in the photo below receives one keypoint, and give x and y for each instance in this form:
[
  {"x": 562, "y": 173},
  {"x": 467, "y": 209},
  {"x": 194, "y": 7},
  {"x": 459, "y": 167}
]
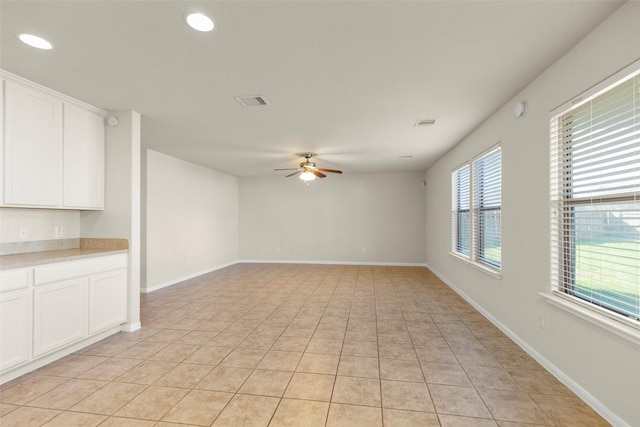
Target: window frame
[
  {"x": 563, "y": 205},
  {"x": 480, "y": 186},
  {"x": 476, "y": 234},
  {"x": 456, "y": 211}
]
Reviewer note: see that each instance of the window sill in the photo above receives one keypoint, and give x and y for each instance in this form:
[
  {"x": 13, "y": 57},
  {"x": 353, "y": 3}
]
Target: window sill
[
  {"x": 620, "y": 327},
  {"x": 491, "y": 272}
]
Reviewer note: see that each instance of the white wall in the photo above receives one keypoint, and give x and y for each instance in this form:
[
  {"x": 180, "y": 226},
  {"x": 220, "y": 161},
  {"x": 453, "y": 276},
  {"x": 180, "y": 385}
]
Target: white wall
[
  {"x": 40, "y": 224},
  {"x": 333, "y": 219},
  {"x": 121, "y": 215},
  {"x": 191, "y": 220},
  {"x": 605, "y": 366}
]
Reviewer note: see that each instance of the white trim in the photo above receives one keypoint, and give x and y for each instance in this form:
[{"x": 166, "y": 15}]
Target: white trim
[
  {"x": 487, "y": 270},
  {"x": 460, "y": 257},
  {"x": 494, "y": 147},
  {"x": 390, "y": 264},
  {"x": 583, "y": 394},
  {"x": 34, "y": 364},
  {"x": 466, "y": 163},
  {"x": 472, "y": 258},
  {"x": 14, "y": 78},
  {"x": 154, "y": 288},
  {"x": 563, "y": 178},
  {"x": 268, "y": 261},
  {"x": 130, "y": 327},
  {"x": 592, "y": 315},
  {"x": 624, "y": 74}
]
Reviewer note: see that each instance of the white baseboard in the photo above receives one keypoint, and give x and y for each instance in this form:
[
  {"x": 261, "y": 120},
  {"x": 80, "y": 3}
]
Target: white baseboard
[
  {"x": 130, "y": 327},
  {"x": 267, "y": 261},
  {"x": 183, "y": 278},
  {"x": 284, "y": 261},
  {"x": 583, "y": 394},
  {"x": 41, "y": 361}
]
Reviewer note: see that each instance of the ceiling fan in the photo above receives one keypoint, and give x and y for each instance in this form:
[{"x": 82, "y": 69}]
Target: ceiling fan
[{"x": 309, "y": 170}]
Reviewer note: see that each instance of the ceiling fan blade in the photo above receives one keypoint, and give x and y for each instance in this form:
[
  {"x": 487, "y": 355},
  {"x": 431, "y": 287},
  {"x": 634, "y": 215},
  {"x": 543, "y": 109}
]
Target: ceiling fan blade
[
  {"x": 295, "y": 173},
  {"x": 329, "y": 170},
  {"x": 318, "y": 174},
  {"x": 290, "y": 169}
]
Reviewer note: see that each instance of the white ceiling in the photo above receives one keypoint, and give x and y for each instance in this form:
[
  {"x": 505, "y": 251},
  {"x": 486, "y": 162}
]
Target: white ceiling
[{"x": 346, "y": 79}]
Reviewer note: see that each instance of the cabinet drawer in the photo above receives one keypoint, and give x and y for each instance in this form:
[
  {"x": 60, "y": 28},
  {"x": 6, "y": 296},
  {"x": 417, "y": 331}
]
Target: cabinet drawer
[
  {"x": 15, "y": 279},
  {"x": 69, "y": 270}
]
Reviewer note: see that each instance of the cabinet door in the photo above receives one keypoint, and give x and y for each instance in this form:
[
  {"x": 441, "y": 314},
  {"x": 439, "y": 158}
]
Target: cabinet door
[
  {"x": 83, "y": 154},
  {"x": 33, "y": 147},
  {"x": 15, "y": 329},
  {"x": 60, "y": 314},
  {"x": 107, "y": 300}
]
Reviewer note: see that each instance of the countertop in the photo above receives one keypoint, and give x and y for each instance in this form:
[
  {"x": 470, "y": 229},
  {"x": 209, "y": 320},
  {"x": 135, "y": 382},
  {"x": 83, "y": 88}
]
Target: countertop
[{"x": 89, "y": 248}]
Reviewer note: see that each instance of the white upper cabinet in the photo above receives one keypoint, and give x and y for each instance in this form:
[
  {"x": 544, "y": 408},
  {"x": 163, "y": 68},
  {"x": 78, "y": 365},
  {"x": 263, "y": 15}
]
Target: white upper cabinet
[
  {"x": 53, "y": 149},
  {"x": 83, "y": 156},
  {"x": 33, "y": 147}
]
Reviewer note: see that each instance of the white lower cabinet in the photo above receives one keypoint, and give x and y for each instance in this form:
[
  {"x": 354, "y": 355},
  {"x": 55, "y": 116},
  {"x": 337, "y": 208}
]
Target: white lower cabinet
[
  {"x": 59, "y": 314},
  {"x": 15, "y": 328},
  {"x": 107, "y": 300},
  {"x": 49, "y": 311}
]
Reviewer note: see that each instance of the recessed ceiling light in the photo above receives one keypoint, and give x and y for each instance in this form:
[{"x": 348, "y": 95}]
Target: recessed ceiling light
[
  {"x": 200, "y": 22},
  {"x": 35, "y": 41}
]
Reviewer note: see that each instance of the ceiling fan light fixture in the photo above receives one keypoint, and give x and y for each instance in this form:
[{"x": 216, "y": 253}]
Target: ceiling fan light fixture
[{"x": 307, "y": 176}]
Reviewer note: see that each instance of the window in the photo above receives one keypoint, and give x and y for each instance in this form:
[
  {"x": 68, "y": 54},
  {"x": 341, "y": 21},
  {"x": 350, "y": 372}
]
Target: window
[
  {"x": 487, "y": 191},
  {"x": 461, "y": 210},
  {"x": 476, "y": 220},
  {"x": 595, "y": 186}
]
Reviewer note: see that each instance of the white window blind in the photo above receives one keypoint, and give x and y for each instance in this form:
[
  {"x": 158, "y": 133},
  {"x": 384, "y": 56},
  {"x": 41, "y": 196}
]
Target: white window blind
[
  {"x": 461, "y": 210},
  {"x": 476, "y": 202},
  {"x": 487, "y": 200},
  {"x": 595, "y": 187}
]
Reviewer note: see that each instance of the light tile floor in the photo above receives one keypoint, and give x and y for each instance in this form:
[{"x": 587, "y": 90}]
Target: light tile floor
[{"x": 299, "y": 345}]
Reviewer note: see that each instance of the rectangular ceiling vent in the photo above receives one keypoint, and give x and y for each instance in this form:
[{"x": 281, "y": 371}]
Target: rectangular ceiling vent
[
  {"x": 252, "y": 101},
  {"x": 425, "y": 122}
]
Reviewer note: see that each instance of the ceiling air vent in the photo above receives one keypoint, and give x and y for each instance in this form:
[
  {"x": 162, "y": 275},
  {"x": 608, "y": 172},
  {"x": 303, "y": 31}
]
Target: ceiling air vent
[
  {"x": 425, "y": 122},
  {"x": 252, "y": 101}
]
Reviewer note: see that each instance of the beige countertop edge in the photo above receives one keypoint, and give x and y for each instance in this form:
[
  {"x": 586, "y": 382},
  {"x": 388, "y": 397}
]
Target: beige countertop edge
[{"x": 9, "y": 262}]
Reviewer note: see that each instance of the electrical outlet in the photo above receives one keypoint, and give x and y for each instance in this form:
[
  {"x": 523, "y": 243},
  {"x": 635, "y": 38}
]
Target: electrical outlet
[
  {"x": 23, "y": 233},
  {"x": 59, "y": 231},
  {"x": 541, "y": 321},
  {"x": 364, "y": 250}
]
